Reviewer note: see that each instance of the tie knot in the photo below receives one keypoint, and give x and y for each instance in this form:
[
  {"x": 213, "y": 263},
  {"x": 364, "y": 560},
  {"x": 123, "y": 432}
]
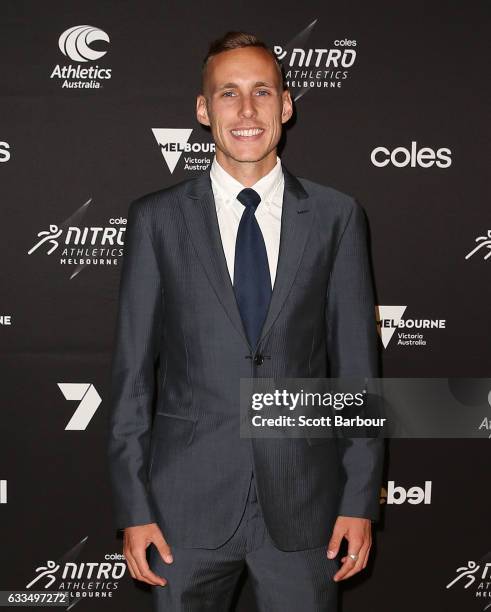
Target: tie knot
[{"x": 249, "y": 197}]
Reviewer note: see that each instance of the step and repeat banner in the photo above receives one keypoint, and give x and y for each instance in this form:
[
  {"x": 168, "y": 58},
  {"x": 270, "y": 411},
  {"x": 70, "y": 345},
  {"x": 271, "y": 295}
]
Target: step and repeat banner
[{"x": 97, "y": 109}]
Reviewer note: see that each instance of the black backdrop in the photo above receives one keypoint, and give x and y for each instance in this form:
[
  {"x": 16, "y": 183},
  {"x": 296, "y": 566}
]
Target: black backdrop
[{"x": 76, "y": 156}]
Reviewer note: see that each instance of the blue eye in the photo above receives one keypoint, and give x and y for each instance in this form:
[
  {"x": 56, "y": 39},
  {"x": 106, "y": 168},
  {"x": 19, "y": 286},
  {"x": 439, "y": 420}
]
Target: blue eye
[
  {"x": 226, "y": 93},
  {"x": 263, "y": 91}
]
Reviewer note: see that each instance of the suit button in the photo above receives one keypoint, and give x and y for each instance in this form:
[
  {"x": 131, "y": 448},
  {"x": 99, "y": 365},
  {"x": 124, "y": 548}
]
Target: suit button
[{"x": 259, "y": 359}]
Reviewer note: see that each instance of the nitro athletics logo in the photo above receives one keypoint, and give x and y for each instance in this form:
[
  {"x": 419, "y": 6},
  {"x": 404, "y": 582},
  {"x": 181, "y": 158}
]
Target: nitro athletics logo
[
  {"x": 308, "y": 67},
  {"x": 81, "y": 579},
  {"x": 483, "y": 248},
  {"x": 83, "y": 246},
  {"x": 173, "y": 142},
  {"x": 75, "y": 43},
  {"x": 411, "y": 332},
  {"x": 476, "y": 577}
]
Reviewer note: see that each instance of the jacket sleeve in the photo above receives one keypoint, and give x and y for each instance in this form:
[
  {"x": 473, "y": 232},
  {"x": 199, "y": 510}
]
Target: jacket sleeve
[
  {"x": 132, "y": 385},
  {"x": 352, "y": 351}
]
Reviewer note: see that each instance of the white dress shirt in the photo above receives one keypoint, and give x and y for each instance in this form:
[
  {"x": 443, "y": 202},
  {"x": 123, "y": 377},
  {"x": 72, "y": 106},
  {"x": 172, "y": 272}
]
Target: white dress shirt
[{"x": 268, "y": 213}]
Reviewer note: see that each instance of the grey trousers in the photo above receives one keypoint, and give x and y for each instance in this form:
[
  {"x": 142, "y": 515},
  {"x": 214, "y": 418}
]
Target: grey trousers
[{"x": 202, "y": 579}]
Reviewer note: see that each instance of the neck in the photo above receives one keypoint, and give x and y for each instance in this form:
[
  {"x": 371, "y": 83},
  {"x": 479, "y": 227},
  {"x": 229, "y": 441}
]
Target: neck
[{"x": 247, "y": 173}]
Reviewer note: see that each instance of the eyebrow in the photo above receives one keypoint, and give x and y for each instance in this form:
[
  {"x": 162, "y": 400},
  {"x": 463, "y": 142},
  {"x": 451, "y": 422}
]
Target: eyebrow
[{"x": 235, "y": 85}]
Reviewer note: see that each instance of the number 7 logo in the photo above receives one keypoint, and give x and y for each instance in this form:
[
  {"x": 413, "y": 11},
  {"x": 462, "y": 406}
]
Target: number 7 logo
[{"x": 90, "y": 401}]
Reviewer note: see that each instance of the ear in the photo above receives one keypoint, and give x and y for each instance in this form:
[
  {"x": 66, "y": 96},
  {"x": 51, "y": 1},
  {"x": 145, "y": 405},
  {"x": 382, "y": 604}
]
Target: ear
[
  {"x": 202, "y": 110},
  {"x": 287, "y": 110}
]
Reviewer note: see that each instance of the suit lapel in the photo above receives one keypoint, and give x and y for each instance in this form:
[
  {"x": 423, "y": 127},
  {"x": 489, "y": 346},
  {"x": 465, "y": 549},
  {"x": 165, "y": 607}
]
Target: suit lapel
[
  {"x": 296, "y": 221},
  {"x": 199, "y": 212},
  {"x": 201, "y": 219}
]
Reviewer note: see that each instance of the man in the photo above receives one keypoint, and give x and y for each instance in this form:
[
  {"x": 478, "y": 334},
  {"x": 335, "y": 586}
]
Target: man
[{"x": 245, "y": 271}]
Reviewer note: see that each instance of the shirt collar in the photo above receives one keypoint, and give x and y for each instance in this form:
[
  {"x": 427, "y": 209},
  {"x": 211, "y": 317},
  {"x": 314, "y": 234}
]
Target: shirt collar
[{"x": 228, "y": 188}]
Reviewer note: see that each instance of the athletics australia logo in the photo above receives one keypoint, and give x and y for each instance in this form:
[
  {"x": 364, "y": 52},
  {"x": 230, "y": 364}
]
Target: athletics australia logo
[
  {"x": 477, "y": 575},
  {"x": 483, "y": 247},
  {"x": 75, "y": 44}
]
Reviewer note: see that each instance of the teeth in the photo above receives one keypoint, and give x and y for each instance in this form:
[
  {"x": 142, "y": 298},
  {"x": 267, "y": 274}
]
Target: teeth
[{"x": 252, "y": 132}]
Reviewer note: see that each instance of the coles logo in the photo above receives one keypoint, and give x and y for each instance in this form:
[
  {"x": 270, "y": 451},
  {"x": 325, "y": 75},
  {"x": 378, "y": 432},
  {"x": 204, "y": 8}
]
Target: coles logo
[{"x": 400, "y": 157}]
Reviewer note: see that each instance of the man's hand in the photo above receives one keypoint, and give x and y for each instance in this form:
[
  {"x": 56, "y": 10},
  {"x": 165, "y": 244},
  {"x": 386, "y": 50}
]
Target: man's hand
[
  {"x": 358, "y": 532},
  {"x": 136, "y": 540}
]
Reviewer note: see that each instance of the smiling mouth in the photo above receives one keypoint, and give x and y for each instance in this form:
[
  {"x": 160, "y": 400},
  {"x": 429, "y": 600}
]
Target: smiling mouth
[{"x": 248, "y": 133}]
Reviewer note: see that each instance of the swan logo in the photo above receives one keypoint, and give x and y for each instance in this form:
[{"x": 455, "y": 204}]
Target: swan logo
[{"x": 75, "y": 43}]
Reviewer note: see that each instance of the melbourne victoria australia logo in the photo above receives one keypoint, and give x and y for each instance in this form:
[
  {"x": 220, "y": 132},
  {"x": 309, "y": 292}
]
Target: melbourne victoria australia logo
[
  {"x": 410, "y": 332},
  {"x": 79, "y": 245},
  {"x": 76, "y": 45},
  {"x": 174, "y": 144},
  {"x": 315, "y": 66}
]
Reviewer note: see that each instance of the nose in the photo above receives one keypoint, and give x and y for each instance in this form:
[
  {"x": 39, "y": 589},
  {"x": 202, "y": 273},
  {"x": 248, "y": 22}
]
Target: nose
[{"x": 247, "y": 108}]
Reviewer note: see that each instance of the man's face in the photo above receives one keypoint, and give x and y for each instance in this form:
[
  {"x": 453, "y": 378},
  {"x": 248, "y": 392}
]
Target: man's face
[{"x": 244, "y": 104}]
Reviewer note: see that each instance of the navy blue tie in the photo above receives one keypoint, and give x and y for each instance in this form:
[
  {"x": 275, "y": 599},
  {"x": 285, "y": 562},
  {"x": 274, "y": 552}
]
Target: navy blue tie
[{"x": 252, "y": 280}]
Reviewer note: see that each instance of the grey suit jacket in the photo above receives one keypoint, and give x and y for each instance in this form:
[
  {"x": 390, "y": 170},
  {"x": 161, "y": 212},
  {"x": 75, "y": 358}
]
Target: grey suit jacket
[{"x": 175, "y": 453}]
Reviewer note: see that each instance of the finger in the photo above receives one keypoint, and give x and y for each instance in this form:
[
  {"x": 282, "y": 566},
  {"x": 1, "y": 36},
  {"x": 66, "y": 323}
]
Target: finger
[
  {"x": 367, "y": 555},
  {"x": 163, "y": 548},
  {"x": 144, "y": 573},
  {"x": 130, "y": 569},
  {"x": 363, "y": 551},
  {"x": 334, "y": 543},
  {"x": 347, "y": 565},
  {"x": 358, "y": 563},
  {"x": 130, "y": 562},
  {"x": 354, "y": 570},
  {"x": 127, "y": 555}
]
